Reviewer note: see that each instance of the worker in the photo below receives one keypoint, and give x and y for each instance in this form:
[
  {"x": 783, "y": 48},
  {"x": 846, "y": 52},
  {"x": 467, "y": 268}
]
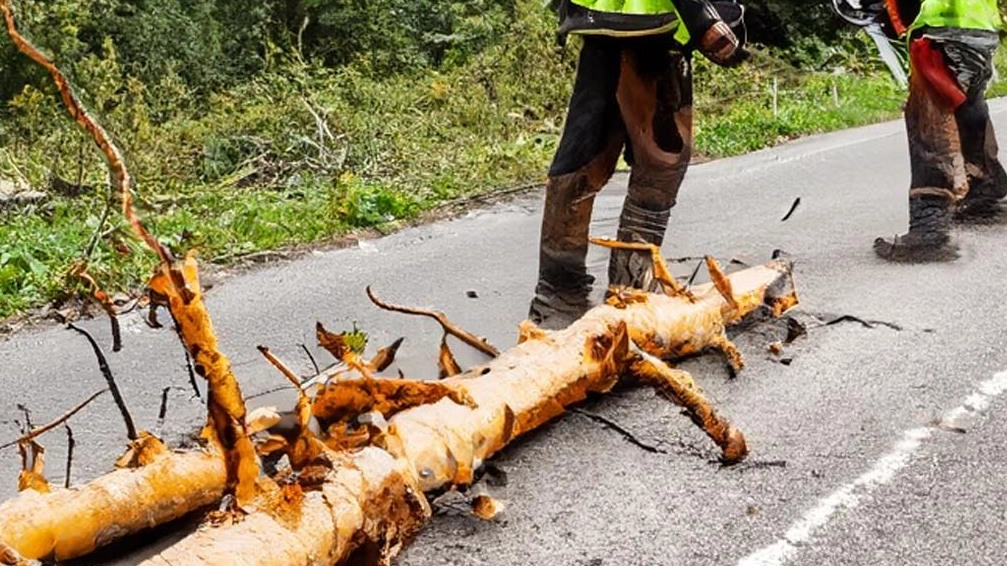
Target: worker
[
  {"x": 632, "y": 96},
  {"x": 956, "y": 174}
]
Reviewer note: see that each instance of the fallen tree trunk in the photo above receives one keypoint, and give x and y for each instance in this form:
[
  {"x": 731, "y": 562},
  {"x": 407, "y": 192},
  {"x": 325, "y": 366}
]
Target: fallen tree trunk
[
  {"x": 536, "y": 381},
  {"x": 439, "y": 445},
  {"x": 67, "y": 523},
  {"x": 427, "y": 447}
]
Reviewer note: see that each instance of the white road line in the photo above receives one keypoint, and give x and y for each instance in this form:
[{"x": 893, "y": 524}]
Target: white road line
[{"x": 849, "y": 495}]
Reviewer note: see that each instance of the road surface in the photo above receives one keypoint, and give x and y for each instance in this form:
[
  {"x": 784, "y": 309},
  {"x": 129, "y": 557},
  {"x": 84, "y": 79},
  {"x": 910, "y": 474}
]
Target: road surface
[{"x": 883, "y": 445}]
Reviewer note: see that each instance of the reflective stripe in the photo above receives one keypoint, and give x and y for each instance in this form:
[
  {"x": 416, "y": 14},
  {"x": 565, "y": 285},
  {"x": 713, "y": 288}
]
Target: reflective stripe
[{"x": 631, "y": 33}]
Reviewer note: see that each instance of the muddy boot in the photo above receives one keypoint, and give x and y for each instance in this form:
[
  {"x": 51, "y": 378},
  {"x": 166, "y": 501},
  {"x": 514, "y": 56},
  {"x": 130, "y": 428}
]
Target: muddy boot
[
  {"x": 563, "y": 291},
  {"x": 987, "y": 180},
  {"x": 928, "y": 239},
  {"x": 982, "y": 204},
  {"x": 979, "y": 210},
  {"x": 627, "y": 268},
  {"x": 555, "y": 307}
]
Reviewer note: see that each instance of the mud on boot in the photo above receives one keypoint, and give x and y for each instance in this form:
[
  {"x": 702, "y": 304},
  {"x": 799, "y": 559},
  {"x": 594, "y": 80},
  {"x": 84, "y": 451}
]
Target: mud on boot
[
  {"x": 554, "y": 307},
  {"x": 630, "y": 268},
  {"x": 634, "y": 268},
  {"x": 980, "y": 210},
  {"x": 928, "y": 239},
  {"x": 982, "y": 204}
]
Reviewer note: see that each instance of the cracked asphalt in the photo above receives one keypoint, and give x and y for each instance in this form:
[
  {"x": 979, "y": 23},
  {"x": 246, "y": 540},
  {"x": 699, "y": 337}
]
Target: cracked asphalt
[{"x": 577, "y": 492}]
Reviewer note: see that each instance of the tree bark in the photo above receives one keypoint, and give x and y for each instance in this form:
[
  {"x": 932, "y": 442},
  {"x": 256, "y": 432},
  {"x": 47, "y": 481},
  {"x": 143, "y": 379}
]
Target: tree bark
[{"x": 439, "y": 445}]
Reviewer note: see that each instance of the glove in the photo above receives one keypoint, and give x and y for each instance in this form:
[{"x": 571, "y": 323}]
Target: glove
[{"x": 720, "y": 45}]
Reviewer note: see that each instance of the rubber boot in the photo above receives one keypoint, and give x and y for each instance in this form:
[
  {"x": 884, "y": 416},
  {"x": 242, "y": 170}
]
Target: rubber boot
[
  {"x": 986, "y": 176},
  {"x": 979, "y": 207},
  {"x": 627, "y": 268},
  {"x": 928, "y": 239},
  {"x": 982, "y": 204},
  {"x": 563, "y": 291}
]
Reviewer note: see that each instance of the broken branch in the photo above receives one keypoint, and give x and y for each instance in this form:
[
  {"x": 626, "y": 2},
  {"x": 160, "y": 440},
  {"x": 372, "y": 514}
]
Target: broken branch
[
  {"x": 449, "y": 327},
  {"x": 311, "y": 357},
  {"x": 679, "y": 386},
  {"x": 447, "y": 365},
  {"x": 70, "y": 445},
  {"x": 38, "y": 431},
  {"x": 79, "y": 270},
  {"x": 662, "y": 274}
]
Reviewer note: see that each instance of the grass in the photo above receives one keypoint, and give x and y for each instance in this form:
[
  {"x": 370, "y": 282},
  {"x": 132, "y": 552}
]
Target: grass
[{"x": 301, "y": 155}]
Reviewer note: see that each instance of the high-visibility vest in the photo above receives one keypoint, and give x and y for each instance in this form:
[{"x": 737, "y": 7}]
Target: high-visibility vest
[
  {"x": 964, "y": 14},
  {"x": 628, "y": 18},
  {"x": 967, "y": 14}
]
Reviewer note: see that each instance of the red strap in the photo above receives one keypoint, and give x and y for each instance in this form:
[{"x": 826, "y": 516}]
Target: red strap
[
  {"x": 927, "y": 61},
  {"x": 893, "y": 14}
]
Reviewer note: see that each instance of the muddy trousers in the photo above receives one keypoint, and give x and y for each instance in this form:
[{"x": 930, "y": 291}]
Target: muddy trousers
[
  {"x": 952, "y": 145},
  {"x": 632, "y": 97},
  {"x": 953, "y": 152}
]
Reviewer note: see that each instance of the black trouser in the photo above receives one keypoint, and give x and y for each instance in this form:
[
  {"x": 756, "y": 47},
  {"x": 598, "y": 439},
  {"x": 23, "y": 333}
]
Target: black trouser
[{"x": 632, "y": 95}]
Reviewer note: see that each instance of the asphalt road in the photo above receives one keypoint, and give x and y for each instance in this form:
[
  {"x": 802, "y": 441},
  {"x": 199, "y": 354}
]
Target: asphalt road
[{"x": 881, "y": 445}]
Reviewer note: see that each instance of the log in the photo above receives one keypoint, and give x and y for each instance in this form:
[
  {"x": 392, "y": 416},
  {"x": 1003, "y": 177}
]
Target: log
[
  {"x": 434, "y": 446},
  {"x": 66, "y": 523},
  {"x": 372, "y": 499},
  {"x": 536, "y": 381}
]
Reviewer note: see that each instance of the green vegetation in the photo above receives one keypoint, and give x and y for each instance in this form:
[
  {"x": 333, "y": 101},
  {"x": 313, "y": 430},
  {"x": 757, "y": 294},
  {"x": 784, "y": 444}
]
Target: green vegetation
[{"x": 252, "y": 129}]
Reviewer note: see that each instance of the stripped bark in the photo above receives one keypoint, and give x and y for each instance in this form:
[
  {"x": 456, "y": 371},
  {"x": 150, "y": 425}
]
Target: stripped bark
[
  {"x": 66, "y": 523},
  {"x": 370, "y": 500},
  {"x": 434, "y": 446}
]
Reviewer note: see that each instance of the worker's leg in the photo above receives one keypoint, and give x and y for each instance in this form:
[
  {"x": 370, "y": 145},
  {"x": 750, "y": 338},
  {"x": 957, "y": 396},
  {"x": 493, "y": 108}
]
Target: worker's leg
[
  {"x": 972, "y": 60},
  {"x": 655, "y": 98},
  {"x": 938, "y": 174},
  {"x": 592, "y": 140}
]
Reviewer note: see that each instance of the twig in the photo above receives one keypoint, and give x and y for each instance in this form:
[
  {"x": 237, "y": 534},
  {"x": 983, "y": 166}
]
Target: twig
[
  {"x": 793, "y": 207},
  {"x": 38, "y": 431},
  {"x": 695, "y": 272},
  {"x": 70, "y": 444},
  {"x": 760, "y": 465},
  {"x": 27, "y": 417},
  {"x": 386, "y": 356},
  {"x": 188, "y": 358},
  {"x": 99, "y": 230},
  {"x": 312, "y": 358},
  {"x": 79, "y": 270},
  {"x": 163, "y": 411},
  {"x": 476, "y": 342},
  {"x": 447, "y": 365},
  {"x": 286, "y": 371},
  {"x": 106, "y": 372},
  {"x": 629, "y": 436},
  {"x": 192, "y": 372}
]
